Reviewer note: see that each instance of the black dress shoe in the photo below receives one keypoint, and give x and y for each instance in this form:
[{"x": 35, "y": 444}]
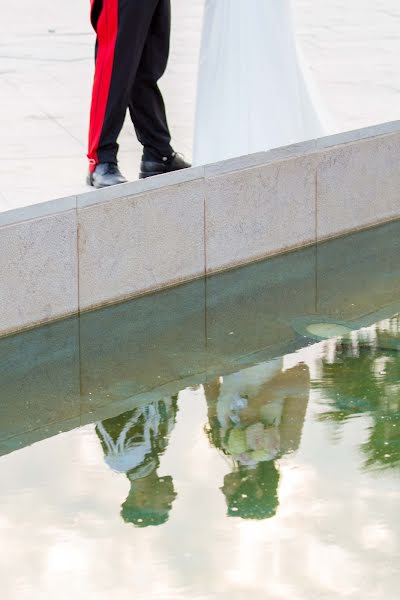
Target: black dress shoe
[
  {"x": 104, "y": 175},
  {"x": 149, "y": 168}
]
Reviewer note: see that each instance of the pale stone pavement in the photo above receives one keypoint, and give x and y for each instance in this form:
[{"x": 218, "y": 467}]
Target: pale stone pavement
[{"x": 46, "y": 69}]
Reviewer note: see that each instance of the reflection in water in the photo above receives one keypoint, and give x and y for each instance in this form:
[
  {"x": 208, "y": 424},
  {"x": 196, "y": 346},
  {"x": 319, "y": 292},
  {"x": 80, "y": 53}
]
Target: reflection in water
[
  {"x": 254, "y": 417},
  {"x": 318, "y": 513},
  {"x": 362, "y": 376},
  {"x": 133, "y": 443},
  {"x": 284, "y": 479}
]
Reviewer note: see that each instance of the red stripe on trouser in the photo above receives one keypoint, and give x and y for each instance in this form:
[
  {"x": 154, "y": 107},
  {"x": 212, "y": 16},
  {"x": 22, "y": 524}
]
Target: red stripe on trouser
[{"x": 107, "y": 29}]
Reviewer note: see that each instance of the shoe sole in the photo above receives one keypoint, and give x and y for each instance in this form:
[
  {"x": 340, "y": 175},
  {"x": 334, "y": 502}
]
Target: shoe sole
[
  {"x": 153, "y": 174},
  {"x": 144, "y": 175},
  {"x": 90, "y": 183}
]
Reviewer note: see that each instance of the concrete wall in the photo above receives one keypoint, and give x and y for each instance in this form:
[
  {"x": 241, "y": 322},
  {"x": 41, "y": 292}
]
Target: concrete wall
[
  {"x": 96, "y": 365},
  {"x": 86, "y": 251}
]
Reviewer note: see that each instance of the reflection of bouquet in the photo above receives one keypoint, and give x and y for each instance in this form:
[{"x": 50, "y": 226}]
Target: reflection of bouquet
[{"x": 252, "y": 444}]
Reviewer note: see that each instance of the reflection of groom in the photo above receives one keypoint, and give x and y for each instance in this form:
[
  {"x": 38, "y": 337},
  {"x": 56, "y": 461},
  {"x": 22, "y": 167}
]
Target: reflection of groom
[{"x": 133, "y": 443}]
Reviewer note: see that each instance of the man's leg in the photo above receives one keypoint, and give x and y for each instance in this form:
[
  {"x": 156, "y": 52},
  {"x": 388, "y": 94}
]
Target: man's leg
[
  {"x": 122, "y": 28},
  {"x": 146, "y": 104}
]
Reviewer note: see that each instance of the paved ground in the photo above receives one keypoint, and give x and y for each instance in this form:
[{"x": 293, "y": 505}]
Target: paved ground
[{"x": 46, "y": 67}]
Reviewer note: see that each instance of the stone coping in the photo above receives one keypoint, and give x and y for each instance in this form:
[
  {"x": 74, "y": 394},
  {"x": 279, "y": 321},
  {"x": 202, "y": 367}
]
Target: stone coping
[{"x": 82, "y": 252}]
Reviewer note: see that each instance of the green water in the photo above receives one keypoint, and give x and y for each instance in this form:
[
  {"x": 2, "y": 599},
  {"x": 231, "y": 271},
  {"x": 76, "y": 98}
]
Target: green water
[{"x": 212, "y": 441}]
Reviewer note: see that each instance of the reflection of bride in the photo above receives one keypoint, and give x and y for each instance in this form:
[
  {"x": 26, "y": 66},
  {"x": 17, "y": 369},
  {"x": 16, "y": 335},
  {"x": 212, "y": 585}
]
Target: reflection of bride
[
  {"x": 247, "y": 434},
  {"x": 254, "y": 91},
  {"x": 255, "y": 416}
]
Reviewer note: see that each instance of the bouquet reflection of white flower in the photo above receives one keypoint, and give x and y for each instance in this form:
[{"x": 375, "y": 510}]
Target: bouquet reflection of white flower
[{"x": 252, "y": 444}]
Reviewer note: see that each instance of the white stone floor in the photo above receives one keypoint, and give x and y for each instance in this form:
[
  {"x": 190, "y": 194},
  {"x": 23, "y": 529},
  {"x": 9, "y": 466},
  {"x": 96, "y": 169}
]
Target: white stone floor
[{"x": 46, "y": 68}]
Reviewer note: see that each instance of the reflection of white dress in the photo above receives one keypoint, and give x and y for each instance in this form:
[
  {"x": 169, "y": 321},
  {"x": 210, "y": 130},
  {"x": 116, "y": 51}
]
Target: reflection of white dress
[
  {"x": 254, "y": 92},
  {"x": 236, "y": 393}
]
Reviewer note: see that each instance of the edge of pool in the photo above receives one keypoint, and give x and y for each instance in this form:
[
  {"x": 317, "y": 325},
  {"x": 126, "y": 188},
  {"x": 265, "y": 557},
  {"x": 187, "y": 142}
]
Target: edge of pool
[{"x": 79, "y": 253}]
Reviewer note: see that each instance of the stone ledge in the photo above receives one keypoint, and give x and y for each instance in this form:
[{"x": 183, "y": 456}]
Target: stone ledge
[{"x": 72, "y": 254}]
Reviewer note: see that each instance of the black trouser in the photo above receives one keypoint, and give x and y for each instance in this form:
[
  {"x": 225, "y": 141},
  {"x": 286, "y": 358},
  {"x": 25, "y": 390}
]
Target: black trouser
[{"x": 132, "y": 50}]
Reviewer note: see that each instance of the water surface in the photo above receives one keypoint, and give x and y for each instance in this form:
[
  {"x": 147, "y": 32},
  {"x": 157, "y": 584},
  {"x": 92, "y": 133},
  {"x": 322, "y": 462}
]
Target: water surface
[{"x": 212, "y": 441}]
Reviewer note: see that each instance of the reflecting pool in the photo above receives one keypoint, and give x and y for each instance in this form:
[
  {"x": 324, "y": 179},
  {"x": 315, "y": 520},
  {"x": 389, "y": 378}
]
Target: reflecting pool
[{"x": 235, "y": 437}]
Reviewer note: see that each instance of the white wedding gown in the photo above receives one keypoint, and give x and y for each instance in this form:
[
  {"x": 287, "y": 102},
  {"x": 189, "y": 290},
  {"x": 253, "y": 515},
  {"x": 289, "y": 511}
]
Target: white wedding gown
[{"x": 254, "y": 90}]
